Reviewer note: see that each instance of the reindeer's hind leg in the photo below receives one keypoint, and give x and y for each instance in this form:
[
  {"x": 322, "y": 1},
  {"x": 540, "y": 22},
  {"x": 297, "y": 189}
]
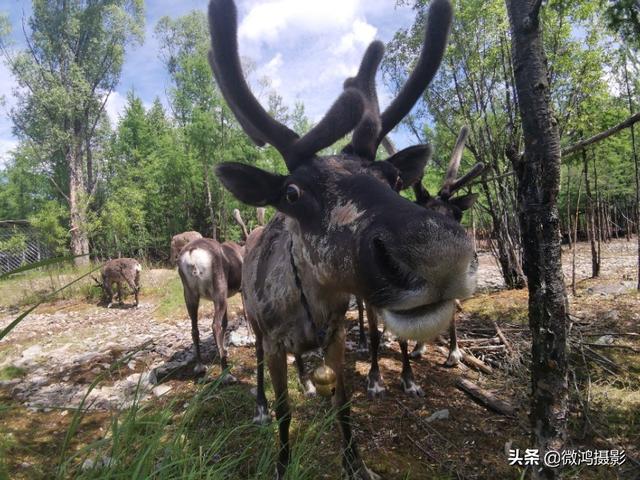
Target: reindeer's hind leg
[
  {"x": 133, "y": 285},
  {"x": 120, "y": 296},
  {"x": 192, "y": 300},
  {"x": 375, "y": 385},
  {"x": 219, "y": 328},
  {"x": 308, "y": 387},
  {"x": 406, "y": 377},
  {"x": 455, "y": 354},
  {"x": 277, "y": 362},
  {"x": 419, "y": 350},
  {"x": 362, "y": 337}
]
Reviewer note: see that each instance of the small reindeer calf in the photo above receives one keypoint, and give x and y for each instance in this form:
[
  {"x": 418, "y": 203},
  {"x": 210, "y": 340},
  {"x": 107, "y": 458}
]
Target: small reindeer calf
[{"x": 119, "y": 271}]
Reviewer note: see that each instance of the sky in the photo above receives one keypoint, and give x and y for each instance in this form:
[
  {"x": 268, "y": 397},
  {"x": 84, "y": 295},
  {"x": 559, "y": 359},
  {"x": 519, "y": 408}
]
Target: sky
[{"x": 306, "y": 47}]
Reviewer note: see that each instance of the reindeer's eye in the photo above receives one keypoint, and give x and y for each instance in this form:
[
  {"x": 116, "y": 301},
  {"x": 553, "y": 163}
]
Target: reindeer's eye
[
  {"x": 293, "y": 193},
  {"x": 399, "y": 184}
]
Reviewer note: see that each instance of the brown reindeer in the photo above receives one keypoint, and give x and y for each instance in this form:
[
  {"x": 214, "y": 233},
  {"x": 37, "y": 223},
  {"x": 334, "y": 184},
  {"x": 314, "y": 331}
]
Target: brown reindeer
[
  {"x": 212, "y": 270},
  {"x": 120, "y": 271},
  {"x": 451, "y": 207},
  {"x": 179, "y": 241},
  {"x": 341, "y": 227}
]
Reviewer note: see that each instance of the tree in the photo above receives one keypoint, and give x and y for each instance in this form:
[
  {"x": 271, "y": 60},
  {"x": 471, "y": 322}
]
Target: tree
[
  {"x": 74, "y": 56},
  {"x": 538, "y": 175}
]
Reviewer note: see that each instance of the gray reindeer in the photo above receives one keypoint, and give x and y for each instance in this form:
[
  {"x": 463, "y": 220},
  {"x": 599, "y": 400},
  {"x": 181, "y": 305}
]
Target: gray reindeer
[
  {"x": 341, "y": 227},
  {"x": 448, "y": 206},
  {"x": 119, "y": 271}
]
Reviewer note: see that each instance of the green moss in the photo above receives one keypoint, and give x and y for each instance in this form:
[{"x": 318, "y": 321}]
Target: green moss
[{"x": 10, "y": 372}]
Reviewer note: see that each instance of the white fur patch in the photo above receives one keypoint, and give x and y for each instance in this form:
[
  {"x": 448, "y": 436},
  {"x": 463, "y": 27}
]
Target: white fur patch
[
  {"x": 425, "y": 327},
  {"x": 138, "y": 267},
  {"x": 344, "y": 214},
  {"x": 196, "y": 263}
]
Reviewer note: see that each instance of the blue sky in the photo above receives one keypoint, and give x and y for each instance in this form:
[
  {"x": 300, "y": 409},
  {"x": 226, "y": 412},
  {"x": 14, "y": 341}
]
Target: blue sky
[{"x": 306, "y": 47}]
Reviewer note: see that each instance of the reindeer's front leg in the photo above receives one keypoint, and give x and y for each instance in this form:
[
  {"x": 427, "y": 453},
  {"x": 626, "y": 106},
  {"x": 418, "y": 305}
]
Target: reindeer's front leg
[
  {"x": 334, "y": 358},
  {"x": 277, "y": 363},
  {"x": 375, "y": 385},
  {"x": 262, "y": 416}
]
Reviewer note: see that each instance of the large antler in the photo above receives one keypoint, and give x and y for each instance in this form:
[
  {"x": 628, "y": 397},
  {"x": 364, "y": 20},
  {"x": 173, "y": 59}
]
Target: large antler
[
  {"x": 435, "y": 41},
  {"x": 256, "y": 122},
  {"x": 373, "y": 127},
  {"x": 451, "y": 184},
  {"x": 238, "y": 218}
]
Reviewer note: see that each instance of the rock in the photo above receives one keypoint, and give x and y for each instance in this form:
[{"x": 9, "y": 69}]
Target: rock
[
  {"x": 611, "y": 315},
  {"x": 605, "y": 340},
  {"x": 438, "y": 415},
  {"x": 241, "y": 337},
  {"x": 161, "y": 390}
]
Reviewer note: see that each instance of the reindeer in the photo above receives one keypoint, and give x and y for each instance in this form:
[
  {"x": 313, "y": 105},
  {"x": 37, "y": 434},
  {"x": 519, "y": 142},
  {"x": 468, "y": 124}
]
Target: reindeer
[
  {"x": 179, "y": 241},
  {"x": 119, "y": 271},
  {"x": 211, "y": 270},
  {"x": 444, "y": 204},
  {"x": 341, "y": 229}
]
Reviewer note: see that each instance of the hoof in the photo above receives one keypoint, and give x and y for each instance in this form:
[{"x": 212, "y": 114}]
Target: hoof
[
  {"x": 262, "y": 416},
  {"x": 411, "y": 388},
  {"x": 309, "y": 389},
  {"x": 110, "y": 304},
  {"x": 419, "y": 350},
  {"x": 455, "y": 356},
  {"x": 375, "y": 389},
  {"x": 199, "y": 369}
]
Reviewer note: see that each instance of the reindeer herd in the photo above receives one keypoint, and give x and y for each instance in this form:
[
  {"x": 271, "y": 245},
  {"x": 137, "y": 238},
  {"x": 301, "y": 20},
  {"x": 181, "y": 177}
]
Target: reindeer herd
[{"x": 341, "y": 229}]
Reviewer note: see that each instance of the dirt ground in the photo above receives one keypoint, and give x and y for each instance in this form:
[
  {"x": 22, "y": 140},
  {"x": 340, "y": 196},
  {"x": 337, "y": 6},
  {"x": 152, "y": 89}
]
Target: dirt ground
[{"x": 49, "y": 361}]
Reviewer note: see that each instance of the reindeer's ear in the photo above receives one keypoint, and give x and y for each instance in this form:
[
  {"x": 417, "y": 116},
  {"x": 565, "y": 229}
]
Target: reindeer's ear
[
  {"x": 249, "y": 184},
  {"x": 464, "y": 202},
  {"x": 411, "y": 162}
]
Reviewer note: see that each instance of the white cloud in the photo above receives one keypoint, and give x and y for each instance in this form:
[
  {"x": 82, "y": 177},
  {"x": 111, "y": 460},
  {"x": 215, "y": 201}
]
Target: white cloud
[
  {"x": 361, "y": 34},
  {"x": 115, "y": 106},
  {"x": 6, "y": 146},
  {"x": 267, "y": 21}
]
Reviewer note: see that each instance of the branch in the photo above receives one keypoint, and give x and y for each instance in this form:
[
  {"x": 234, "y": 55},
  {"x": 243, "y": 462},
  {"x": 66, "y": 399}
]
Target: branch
[{"x": 576, "y": 147}]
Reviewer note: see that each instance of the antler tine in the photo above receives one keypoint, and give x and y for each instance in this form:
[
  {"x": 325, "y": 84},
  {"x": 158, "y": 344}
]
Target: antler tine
[
  {"x": 435, "y": 42},
  {"x": 477, "y": 169},
  {"x": 260, "y": 211},
  {"x": 225, "y": 63},
  {"x": 239, "y": 221},
  {"x": 454, "y": 163},
  {"x": 421, "y": 193},
  {"x": 256, "y": 122},
  {"x": 364, "y": 141}
]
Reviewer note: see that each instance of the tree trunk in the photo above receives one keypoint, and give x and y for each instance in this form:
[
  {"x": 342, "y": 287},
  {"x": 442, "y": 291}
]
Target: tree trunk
[
  {"x": 591, "y": 222},
  {"x": 538, "y": 174},
  {"x": 77, "y": 207},
  {"x": 635, "y": 163}
]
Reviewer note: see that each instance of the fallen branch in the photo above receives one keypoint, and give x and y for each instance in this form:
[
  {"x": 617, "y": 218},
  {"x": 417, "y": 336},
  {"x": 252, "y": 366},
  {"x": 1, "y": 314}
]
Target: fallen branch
[
  {"x": 485, "y": 398},
  {"x": 503, "y": 338},
  {"x": 613, "y": 345},
  {"x": 487, "y": 348},
  {"x": 475, "y": 362}
]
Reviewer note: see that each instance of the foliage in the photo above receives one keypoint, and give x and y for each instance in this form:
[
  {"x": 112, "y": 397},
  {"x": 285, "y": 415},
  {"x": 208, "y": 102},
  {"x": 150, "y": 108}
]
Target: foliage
[{"x": 49, "y": 223}]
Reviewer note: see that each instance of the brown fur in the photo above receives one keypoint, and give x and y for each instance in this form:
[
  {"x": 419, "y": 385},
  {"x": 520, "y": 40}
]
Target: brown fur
[
  {"x": 120, "y": 271},
  {"x": 179, "y": 241},
  {"x": 214, "y": 271}
]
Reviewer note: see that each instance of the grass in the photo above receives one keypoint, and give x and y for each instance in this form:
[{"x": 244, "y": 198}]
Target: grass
[
  {"x": 211, "y": 437},
  {"x": 10, "y": 372}
]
